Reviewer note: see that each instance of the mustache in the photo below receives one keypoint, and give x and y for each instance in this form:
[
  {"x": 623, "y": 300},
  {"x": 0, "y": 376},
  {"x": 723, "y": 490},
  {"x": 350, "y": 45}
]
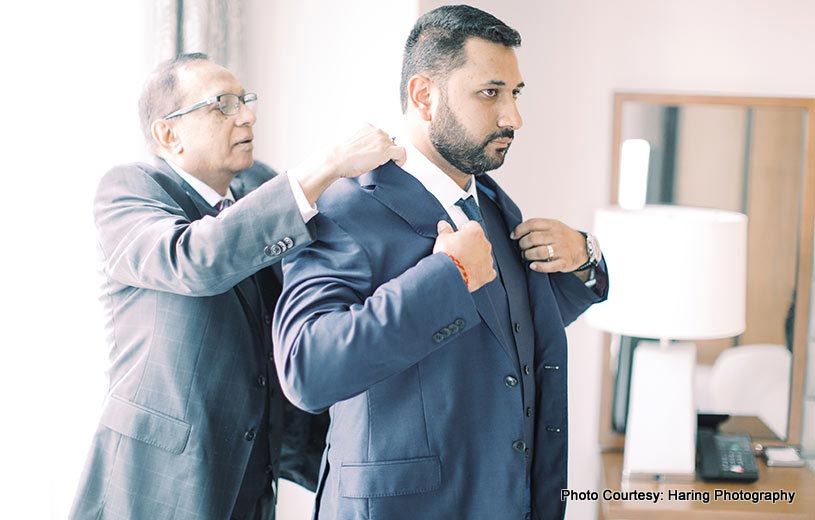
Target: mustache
[{"x": 504, "y": 132}]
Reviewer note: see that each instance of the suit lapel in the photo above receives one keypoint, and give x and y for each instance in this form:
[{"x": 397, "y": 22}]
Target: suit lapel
[
  {"x": 204, "y": 208},
  {"x": 407, "y": 197},
  {"x": 484, "y": 302},
  {"x": 509, "y": 210}
]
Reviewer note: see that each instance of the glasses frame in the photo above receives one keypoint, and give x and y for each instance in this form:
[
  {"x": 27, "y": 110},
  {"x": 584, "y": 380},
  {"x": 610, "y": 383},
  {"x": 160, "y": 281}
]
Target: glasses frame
[{"x": 249, "y": 97}]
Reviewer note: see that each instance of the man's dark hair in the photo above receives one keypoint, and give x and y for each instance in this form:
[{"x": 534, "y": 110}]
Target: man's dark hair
[
  {"x": 160, "y": 95},
  {"x": 436, "y": 43}
]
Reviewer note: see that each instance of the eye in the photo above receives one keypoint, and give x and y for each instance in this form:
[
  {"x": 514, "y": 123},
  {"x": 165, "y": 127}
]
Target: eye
[
  {"x": 516, "y": 93},
  {"x": 490, "y": 92}
]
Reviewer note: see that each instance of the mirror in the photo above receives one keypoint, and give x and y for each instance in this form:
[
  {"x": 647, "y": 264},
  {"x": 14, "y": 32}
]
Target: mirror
[{"x": 748, "y": 154}]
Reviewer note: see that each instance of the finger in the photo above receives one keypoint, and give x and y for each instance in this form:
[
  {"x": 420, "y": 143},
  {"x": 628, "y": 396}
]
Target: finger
[
  {"x": 398, "y": 155},
  {"x": 472, "y": 225},
  {"x": 534, "y": 239},
  {"x": 533, "y": 224},
  {"x": 444, "y": 227},
  {"x": 541, "y": 253},
  {"x": 554, "y": 266},
  {"x": 384, "y": 137}
]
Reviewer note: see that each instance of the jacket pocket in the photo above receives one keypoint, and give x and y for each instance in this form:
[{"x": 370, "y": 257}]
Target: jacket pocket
[
  {"x": 390, "y": 478},
  {"x": 145, "y": 425}
]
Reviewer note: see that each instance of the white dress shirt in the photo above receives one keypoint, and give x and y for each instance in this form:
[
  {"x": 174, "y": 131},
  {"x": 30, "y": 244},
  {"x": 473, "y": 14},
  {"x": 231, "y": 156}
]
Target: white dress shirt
[
  {"x": 213, "y": 197},
  {"x": 438, "y": 183},
  {"x": 445, "y": 189}
]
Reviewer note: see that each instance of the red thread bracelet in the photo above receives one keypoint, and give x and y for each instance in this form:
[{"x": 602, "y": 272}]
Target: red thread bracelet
[{"x": 460, "y": 268}]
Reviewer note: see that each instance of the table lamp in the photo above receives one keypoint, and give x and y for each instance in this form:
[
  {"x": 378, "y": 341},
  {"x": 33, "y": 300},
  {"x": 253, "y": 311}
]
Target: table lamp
[{"x": 676, "y": 273}]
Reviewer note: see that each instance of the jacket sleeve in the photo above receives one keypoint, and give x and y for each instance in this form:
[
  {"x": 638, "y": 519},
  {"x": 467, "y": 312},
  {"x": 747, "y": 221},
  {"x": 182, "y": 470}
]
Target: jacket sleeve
[
  {"x": 148, "y": 241},
  {"x": 336, "y": 335},
  {"x": 572, "y": 295}
]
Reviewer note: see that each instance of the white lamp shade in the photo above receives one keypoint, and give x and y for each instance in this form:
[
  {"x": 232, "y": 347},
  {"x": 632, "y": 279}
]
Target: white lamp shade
[{"x": 676, "y": 272}]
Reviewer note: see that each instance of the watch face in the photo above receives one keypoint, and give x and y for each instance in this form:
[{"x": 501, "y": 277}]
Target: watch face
[{"x": 594, "y": 248}]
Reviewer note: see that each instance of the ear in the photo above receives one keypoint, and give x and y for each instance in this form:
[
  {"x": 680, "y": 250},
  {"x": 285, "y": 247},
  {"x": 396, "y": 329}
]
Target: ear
[
  {"x": 419, "y": 95},
  {"x": 166, "y": 136}
]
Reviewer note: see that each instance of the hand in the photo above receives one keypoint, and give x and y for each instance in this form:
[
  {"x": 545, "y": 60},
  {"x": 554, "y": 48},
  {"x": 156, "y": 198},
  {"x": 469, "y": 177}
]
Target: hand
[
  {"x": 469, "y": 246},
  {"x": 538, "y": 237},
  {"x": 367, "y": 149}
]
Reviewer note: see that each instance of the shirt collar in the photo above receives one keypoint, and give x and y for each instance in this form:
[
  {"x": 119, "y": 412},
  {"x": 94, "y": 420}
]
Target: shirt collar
[
  {"x": 211, "y": 196},
  {"x": 438, "y": 183}
]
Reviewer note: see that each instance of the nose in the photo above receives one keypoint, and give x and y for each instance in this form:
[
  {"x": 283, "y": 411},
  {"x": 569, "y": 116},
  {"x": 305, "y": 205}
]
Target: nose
[
  {"x": 510, "y": 116},
  {"x": 246, "y": 116}
]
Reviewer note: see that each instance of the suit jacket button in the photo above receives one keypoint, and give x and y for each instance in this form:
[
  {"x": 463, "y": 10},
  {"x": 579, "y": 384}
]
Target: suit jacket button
[
  {"x": 268, "y": 251},
  {"x": 526, "y": 370},
  {"x": 459, "y": 322},
  {"x": 438, "y": 337},
  {"x": 262, "y": 380},
  {"x": 517, "y": 327},
  {"x": 519, "y": 446},
  {"x": 288, "y": 241},
  {"x": 249, "y": 435},
  {"x": 510, "y": 381}
]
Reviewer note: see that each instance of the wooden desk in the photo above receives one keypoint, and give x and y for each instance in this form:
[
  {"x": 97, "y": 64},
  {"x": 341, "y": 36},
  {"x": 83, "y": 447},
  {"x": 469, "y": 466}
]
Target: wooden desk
[{"x": 798, "y": 480}]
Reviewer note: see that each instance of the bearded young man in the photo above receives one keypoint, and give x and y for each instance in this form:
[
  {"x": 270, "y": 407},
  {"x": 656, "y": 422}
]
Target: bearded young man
[{"x": 447, "y": 390}]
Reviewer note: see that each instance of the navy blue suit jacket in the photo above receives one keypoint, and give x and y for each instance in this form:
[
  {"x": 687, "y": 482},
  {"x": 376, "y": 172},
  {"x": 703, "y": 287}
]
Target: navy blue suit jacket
[{"x": 414, "y": 368}]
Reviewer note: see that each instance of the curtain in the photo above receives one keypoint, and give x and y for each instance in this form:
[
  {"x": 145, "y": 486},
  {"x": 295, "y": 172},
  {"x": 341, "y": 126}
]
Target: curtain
[{"x": 209, "y": 26}]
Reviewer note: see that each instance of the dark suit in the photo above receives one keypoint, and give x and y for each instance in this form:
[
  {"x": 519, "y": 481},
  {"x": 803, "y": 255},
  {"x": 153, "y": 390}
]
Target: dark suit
[
  {"x": 194, "y": 418},
  {"x": 443, "y": 404}
]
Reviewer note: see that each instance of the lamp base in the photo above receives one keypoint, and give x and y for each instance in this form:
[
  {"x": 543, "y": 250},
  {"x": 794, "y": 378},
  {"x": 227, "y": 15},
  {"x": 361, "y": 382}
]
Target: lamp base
[{"x": 660, "y": 436}]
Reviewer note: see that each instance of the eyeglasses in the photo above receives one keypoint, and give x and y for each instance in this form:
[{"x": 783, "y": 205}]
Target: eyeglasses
[{"x": 228, "y": 104}]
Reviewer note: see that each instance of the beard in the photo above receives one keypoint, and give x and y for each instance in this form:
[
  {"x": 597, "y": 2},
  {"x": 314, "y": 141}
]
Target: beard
[{"x": 467, "y": 155}]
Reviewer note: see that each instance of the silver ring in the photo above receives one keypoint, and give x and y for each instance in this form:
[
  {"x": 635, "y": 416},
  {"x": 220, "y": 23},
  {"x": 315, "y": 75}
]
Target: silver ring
[{"x": 551, "y": 251}]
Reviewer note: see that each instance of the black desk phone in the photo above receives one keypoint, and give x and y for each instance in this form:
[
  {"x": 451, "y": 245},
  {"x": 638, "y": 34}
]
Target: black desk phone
[{"x": 725, "y": 456}]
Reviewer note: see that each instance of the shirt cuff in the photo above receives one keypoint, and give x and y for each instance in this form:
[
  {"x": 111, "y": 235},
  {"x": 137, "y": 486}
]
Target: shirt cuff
[
  {"x": 306, "y": 210},
  {"x": 600, "y": 277},
  {"x": 592, "y": 281}
]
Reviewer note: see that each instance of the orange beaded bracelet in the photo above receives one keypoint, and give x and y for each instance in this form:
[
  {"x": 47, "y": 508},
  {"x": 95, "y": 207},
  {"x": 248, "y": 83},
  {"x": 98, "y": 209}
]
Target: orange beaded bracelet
[{"x": 460, "y": 268}]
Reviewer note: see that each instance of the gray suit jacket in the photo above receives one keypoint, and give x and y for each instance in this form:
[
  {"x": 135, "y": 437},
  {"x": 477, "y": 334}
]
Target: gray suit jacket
[{"x": 189, "y": 346}]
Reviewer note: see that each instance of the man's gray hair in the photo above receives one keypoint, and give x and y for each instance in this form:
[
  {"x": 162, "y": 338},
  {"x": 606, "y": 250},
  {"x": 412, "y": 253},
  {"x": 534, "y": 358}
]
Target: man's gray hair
[{"x": 160, "y": 95}]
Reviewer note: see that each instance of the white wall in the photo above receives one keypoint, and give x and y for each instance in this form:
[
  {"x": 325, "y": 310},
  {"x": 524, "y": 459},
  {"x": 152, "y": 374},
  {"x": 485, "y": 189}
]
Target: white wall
[
  {"x": 322, "y": 69},
  {"x": 576, "y": 53},
  {"x": 72, "y": 74}
]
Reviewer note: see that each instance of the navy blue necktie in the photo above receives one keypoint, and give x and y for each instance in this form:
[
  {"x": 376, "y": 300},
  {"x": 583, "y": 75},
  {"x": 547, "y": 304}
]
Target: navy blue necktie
[
  {"x": 222, "y": 205},
  {"x": 470, "y": 208}
]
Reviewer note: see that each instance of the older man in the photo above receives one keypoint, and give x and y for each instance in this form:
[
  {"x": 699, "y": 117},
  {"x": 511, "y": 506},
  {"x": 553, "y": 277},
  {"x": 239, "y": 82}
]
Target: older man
[
  {"x": 195, "y": 425},
  {"x": 447, "y": 394}
]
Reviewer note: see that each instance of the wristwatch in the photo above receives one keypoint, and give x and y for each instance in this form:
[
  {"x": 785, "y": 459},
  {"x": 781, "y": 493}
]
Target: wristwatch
[{"x": 593, "y": 250}]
